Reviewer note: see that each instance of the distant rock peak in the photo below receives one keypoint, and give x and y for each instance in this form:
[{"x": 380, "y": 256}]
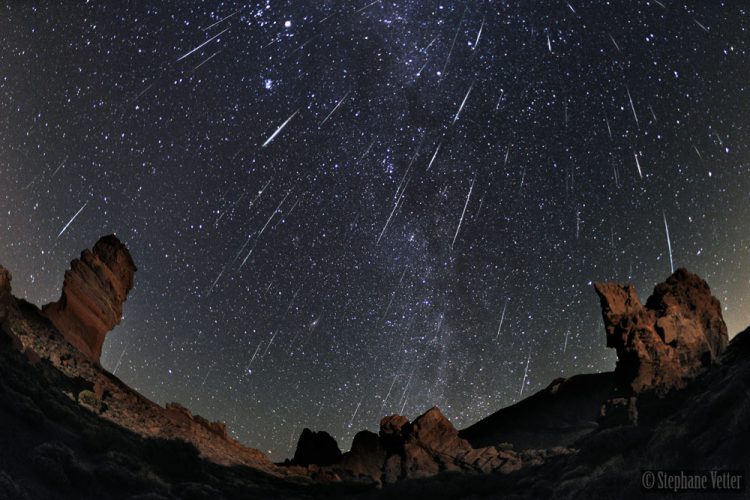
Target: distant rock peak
[
  {"x": 94, "y": 289},
  {"x": 319, "y": 448}
]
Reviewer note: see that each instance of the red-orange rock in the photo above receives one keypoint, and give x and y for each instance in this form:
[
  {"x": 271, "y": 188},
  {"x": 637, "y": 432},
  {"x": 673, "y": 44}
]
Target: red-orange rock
[
  {"x": 433, "y": 431},
  {"x": 94, "y": 289},
  {"x": 674, "y": 338}
]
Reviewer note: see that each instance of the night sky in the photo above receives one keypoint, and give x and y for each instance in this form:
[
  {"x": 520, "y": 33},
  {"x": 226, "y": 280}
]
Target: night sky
[{"x": 342, "y": 210}]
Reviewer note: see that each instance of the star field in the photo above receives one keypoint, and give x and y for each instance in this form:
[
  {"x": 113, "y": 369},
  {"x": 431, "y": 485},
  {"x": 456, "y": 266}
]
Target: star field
[{"x": 342, "y": 210}]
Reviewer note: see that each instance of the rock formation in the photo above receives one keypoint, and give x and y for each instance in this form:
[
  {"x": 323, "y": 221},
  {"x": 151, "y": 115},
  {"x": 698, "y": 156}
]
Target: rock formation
[
  {"x": 677, "y": 335},
  {"x": 424, "y": 448},
  {"x": 661, "y": 346},
  {"x": 50, "y": 377},
  {"x": 94, "y": 289},
  {"x": 68, "y": 336},
  {"x": 318, "y": 448}
]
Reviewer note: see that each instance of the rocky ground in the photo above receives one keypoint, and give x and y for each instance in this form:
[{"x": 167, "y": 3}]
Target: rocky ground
[{"x": 677, "y": 398}]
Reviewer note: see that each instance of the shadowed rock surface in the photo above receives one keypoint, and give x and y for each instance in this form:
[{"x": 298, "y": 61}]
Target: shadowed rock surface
[
  {"x": 6, "y": 298},
  {"x": 317, "y": 448},
  {"x": 94, "y": 289},
  {"x": 556, "y": 416},
  {"x": 366, "y": 458}
]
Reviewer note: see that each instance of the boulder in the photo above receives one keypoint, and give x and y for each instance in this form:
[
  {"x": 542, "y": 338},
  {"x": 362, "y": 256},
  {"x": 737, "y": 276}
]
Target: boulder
[{"x": 434, "y": 432}]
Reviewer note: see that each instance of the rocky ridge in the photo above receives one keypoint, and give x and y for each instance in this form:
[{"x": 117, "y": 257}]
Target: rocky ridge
[{"x": 108, "y": 270}]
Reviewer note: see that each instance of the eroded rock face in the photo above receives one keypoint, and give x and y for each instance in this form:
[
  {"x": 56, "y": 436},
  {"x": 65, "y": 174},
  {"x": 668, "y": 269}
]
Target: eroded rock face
[
  {"x": 94, "y": 289},
  {"x": 661, "y": 346}
]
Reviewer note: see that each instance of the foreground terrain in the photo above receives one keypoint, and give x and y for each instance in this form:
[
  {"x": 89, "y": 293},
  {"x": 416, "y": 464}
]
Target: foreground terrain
[{"x": 677, "y": 398}]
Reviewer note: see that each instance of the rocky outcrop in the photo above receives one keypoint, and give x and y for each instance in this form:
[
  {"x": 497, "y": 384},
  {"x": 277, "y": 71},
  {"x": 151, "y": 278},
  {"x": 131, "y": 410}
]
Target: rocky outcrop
[
  {"x": 62, "y": 335},
  {"x": 94, "y": 289},
  {"x": 109, "y": 398},
  {"x": 661, "y": 346},
  {"x": 431, "y": 444},
  {"x": 423, "y": 448},
  {"x": 318, "y": 448},
  {"x": 676, "y": 337}
]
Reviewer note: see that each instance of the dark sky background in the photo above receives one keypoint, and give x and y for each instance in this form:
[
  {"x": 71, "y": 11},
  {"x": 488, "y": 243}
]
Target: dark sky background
[{"x": 342, "y": 210}]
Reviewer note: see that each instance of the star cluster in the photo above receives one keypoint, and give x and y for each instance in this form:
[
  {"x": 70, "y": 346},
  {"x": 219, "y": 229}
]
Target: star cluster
[{"x": 342, "y": 210}]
